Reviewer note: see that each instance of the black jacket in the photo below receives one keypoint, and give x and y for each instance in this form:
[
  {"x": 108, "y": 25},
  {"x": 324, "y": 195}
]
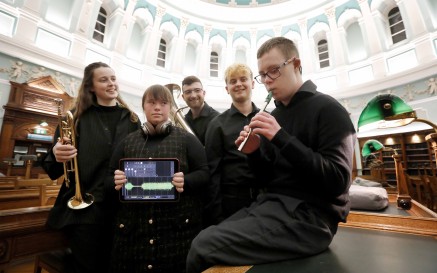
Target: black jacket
[
  {"x": 95, "y": 146},
  {"x": 311, "y": 156}
]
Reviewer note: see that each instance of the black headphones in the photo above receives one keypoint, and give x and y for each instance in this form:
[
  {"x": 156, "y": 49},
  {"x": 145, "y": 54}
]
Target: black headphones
[{"x": 162, "y": 128}]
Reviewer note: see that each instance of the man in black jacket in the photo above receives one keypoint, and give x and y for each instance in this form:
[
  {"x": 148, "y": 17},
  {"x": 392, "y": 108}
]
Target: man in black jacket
[
  {"x": 303, "y": 153},
  {"x": 200, "y": 113}
]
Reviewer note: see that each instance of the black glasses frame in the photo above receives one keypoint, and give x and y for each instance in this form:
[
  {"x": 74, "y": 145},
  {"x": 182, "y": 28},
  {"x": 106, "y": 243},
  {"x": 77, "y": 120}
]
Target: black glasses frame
[{"x": 261, "y": 78}]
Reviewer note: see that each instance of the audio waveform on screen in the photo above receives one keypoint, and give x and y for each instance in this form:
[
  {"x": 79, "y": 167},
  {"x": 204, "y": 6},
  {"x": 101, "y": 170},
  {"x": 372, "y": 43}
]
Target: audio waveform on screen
[{"x": 150, "y": 186}]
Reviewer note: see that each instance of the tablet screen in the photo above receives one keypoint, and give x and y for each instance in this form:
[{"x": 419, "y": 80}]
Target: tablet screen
[{"x": 149, "y": 179}]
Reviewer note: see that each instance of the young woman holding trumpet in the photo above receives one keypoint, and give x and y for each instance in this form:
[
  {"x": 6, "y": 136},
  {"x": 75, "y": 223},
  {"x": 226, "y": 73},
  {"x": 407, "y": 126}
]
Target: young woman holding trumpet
[{"x": 81, "y": 151}]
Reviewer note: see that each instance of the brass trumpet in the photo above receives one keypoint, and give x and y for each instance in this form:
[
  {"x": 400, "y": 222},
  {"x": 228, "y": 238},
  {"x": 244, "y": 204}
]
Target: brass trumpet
[{"x": 66, "y": 129}]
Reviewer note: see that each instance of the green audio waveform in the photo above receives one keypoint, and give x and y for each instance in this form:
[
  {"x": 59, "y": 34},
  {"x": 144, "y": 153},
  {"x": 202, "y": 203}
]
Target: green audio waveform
[{"x": 150, "y": 186}]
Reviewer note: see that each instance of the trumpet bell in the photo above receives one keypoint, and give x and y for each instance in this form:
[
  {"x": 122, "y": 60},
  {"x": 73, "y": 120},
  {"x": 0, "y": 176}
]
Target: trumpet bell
[{"x": 76, "y": 203}]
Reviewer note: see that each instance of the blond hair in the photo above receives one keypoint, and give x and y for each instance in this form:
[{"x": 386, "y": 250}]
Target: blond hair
[{"x": 237, "y": 68}]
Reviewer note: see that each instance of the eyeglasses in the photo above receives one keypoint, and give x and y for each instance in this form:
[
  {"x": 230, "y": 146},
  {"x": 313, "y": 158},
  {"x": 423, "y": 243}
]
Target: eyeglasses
[
  {"x": 273, "y": 73},
  {"x": 195, "y": 90}
]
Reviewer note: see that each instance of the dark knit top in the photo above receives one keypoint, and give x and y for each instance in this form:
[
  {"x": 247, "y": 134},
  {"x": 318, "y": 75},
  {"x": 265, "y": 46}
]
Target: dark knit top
[{"x": 158, "y": 235}]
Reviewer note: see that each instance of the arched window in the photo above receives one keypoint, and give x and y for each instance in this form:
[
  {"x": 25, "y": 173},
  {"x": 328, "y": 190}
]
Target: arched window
[
  {"x": 213, "y": 64},
  {"x": 322, "y": 47},
  {"x": 161, "y": 53},
  {"x": 99, "y": 29},
  {"x": 397, "y": 28}
]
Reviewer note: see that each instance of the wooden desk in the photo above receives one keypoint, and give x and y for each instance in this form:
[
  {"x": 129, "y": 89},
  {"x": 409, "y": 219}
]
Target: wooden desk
[
  {"x": 369, "y": 242},
  {"x": 359, "y": 251},
  {"x": 23, "y": 234}
]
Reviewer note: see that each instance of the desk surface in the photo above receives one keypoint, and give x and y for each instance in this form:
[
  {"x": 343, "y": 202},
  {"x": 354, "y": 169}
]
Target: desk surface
[
  {"x": 391, "y": 209},
  {"x": 361, "y": 251}
]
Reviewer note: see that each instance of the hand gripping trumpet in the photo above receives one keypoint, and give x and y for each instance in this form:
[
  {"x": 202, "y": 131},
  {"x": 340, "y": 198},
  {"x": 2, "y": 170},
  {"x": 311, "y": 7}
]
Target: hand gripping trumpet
[
  {"x": 267, "y": 101},
  {"x": 66, "y": 129}
]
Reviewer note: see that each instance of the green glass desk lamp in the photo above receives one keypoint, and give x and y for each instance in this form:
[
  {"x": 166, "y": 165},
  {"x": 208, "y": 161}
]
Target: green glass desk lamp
[
  {"x": 388, "y": 111},
  {"x": 372, "y": 146}
]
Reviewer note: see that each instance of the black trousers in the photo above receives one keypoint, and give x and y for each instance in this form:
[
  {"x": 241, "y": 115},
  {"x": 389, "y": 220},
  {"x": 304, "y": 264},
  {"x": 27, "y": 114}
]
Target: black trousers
[
  {"x": 90, "y": 248},
  {"x": 274, "y": 228}
]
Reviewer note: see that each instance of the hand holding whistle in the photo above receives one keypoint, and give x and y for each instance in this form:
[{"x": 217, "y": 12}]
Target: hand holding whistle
[{"x": 252, "y": 141}]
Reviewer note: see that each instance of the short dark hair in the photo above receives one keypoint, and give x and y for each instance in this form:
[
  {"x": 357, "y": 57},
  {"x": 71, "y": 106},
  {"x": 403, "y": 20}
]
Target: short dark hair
[
  {"x": 190, "y": 80},
  {"x": 286, "y": 46}
]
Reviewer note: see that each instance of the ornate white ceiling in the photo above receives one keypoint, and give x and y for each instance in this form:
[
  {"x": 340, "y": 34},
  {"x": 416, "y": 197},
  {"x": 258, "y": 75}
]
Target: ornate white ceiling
[{"x": 258, "y": 12}]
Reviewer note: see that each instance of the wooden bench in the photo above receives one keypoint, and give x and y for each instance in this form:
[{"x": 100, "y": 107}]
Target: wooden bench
[
  {"x": 21, "y": 198},
  {"x": 7, "y": 182},
  {"x": 8, "y": 185},
  {"x": 48, "y": 194},
  {"x": 9, "y": 178},
  {"x": 40, "y": 194},
  {"x": 18, "y": 182},
  {"x": 33, "y": 182}
]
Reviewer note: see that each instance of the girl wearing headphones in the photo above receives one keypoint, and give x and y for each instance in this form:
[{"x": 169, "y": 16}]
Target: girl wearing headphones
[{"x": 157, "y": 235}]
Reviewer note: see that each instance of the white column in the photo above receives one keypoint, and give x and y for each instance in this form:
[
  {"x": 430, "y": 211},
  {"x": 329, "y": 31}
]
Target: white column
[
  {"x": 230, "y": 53},
  {"x": 305, "y": 54},
  {"x": 146, "y": 38},
  {"x": 371, "y": 33},
  {"x": 114, "y": 27},
  {"x": 181, "y": 46},
  {"x": 155, "y": 36},
  {"x": 336, "y": 50},
  {"x": 88, "y": 14},
  {"x": 412, "y": 18},
  {"x": 252, "y": 59},
  {"x": 84, "y": 30},
  {"x": 125, "y": 32},
  {"x": 205, "y": 53}
]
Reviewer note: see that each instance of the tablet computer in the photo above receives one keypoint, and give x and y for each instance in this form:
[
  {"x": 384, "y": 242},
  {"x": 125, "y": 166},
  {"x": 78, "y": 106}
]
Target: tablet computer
[{"x": 149, "y": 179}]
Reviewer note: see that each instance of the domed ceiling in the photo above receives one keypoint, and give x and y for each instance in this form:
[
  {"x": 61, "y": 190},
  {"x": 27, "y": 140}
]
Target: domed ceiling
[
  {"x": 244, "y": 3},
  {"x": 248, "y": 12}
]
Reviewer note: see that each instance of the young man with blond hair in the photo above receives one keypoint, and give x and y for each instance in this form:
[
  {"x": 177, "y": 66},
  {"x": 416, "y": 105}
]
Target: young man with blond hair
[{"x": 228, "y": 166}]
